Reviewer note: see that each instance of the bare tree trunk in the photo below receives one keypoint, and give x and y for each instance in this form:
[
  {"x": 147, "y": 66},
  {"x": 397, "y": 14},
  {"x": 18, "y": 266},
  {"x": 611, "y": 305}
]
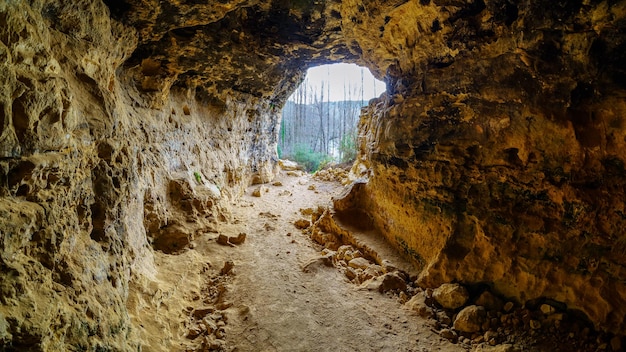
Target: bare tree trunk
[{"x": 319, "y": 104}]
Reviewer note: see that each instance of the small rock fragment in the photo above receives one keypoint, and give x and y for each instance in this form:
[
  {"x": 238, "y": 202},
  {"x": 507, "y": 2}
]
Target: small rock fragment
[
  {"x": 194, "y": 332},
  {"x": 212, "y": 345},
  {"x": 223, "y": 240},
  {"x": 372, "y": 284},
  {"x": 241, "y": 238},
  {"x": 392, "y": 281},
  {"x": 508, "y": 306},
  {"x": 342, "y": 250},
  {"x": 289, "y": 165},
  {"x": 535, "y": 324},
  {"x": 277, "y": 184},
  {"x": 547, "y": 309},
  {"x": 311, "y": 187},
  {"x": 200, "y": 313},
  {"x": 359, "y": 263},
  {"x": 388, "y": 266},
  {"x": 418, "y": 304},
  {"x": 499, "y": 348},
  {"x": 373, "y": 271},
  {"x": 349, "y": 255},
  {"x": 228, "y": 267},
  {"x": 350, "y": 273},
  {"x": 470, "y": 319},
  {"x": 306, "y": 211},
  {"x": 210, "y": 325},
  {"x": 220, "y": 333},
  {"x": 451, "y": 296},
  {"x": 302, "y": 224},
  {"x": 448, "y": 334},
  {"x": 223, "y": 305},
  {"x": 258, "y": 192},
  {"x": 490, "y": 336},
  {"x": 314, "y": 264},
  {"x": 403, "y": 297}
]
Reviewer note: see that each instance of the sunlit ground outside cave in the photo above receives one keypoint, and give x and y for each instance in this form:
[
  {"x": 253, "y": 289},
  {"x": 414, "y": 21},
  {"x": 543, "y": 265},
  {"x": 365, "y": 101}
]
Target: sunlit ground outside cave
[{"x": 331, "y": 175}]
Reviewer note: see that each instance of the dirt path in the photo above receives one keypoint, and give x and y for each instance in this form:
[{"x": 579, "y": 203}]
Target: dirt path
[
  {"x": 267, "y": 302},
  {"x": 280, "y": 307},
  {"x": 278, "y": 291}
]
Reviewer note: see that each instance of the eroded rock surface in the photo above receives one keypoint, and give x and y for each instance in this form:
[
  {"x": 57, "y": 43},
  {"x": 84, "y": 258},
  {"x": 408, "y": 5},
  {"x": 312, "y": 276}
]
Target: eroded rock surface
[
  {"x": 496, "y": 156},
  {"x": 502, "y": 160}
]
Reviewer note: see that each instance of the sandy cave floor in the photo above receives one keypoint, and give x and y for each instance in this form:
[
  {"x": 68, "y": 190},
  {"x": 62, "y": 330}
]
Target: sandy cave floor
[
  {"x": 267, "y": 302},
  {"x": 276, "y": 292}
]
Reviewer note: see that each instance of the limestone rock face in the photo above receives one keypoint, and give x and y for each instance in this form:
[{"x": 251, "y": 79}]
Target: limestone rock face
[
  {"x": 102, "y": 161},
  {"x": 496, "y": 156},
  {"x": 500, "y": 159}
]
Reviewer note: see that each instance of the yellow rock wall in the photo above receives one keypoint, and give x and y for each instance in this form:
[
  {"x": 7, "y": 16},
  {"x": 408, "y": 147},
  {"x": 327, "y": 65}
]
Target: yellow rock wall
[
  {"x": 502, "y": 161},
  {"x": 496, "y": 155},
  {"x": 95, "y": 170}
]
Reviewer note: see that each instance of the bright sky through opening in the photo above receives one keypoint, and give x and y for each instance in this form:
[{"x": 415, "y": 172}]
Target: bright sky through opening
[{"x": 342, "y": 77}]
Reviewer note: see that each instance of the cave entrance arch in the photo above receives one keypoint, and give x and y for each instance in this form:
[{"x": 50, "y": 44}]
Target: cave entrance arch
[{"x": 319, "y": 119}]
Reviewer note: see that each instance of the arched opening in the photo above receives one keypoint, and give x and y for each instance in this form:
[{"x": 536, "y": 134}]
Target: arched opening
[{"x": 319, "y": 120}]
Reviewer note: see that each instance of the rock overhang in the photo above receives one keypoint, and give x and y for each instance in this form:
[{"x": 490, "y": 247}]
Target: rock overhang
[{"x": 260, "y": 49}]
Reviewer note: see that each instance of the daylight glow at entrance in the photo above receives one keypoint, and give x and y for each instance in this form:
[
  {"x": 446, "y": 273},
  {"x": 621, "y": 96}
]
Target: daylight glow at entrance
[
  {"x": 319, "y": 120},
  {"x": 343, "y": 82}
]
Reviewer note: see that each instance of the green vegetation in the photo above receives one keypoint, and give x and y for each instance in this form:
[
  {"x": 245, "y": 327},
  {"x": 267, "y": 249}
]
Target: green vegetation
[
  {"x": 312, "y": 161},
  {"x": 347, "y": 148},
  {"x": 197, "y": 176},
  {"x": 317, "y": 125}
]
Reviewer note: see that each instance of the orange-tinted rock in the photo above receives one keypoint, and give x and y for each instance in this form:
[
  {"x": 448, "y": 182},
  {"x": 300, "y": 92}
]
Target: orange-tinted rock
[{"x": 496, "y": 156}]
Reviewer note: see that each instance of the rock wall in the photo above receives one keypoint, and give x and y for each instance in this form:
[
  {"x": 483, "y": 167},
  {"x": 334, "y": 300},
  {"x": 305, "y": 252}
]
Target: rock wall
[
  {"x": 500, "y": 159},
  {"x": 496, "y": 156},
  {"x": 98, "y": 169}
]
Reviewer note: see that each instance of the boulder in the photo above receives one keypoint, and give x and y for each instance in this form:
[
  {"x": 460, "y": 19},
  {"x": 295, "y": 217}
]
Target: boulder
[
  {"x": 470, "y": 319},
  {"x": 489, "y": 301},
  {"x": 392, "y": 281},
  {"x": 451, "y": 296}
]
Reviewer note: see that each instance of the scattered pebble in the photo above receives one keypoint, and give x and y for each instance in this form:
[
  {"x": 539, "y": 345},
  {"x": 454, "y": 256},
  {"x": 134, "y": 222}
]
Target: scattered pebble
[
  {"x": 241, "y": 238},
  {"x": 448, "y": 334},
  {"x": 359, "y": 263},
  {"x": 228, "y": 267},
  {"x": 302, "y": 224},
  {"x": 258, "y": 192},
  {"x": 223, "y": 240}
]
